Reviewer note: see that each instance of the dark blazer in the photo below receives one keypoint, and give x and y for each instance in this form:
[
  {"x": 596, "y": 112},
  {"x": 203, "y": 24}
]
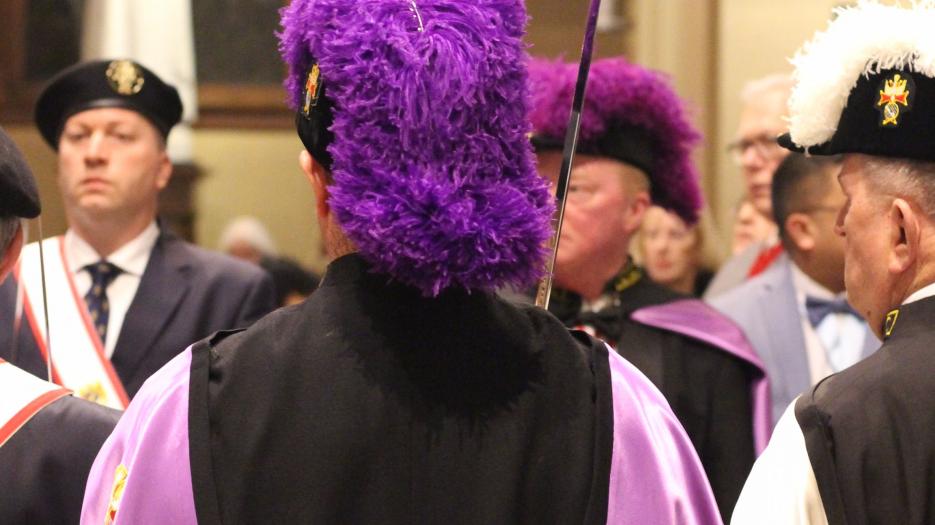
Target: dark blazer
[
  {"x": 186, "y": 293},
  {"x": 44, "y": 466}
]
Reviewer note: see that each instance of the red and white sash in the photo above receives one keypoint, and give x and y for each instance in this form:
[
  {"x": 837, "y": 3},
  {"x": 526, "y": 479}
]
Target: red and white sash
[
  {"x": 78, "y": 359},
  {"x": 23, "y": 395}
]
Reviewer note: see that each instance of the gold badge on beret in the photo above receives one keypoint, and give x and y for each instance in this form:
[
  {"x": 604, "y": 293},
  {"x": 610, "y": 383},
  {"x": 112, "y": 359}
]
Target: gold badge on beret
[
  {"x": 894, "y": 92},
  {"x": 890, "y": 323},
  {"x": 312, "y": 90},
  {"x": 124, "y": 77}
]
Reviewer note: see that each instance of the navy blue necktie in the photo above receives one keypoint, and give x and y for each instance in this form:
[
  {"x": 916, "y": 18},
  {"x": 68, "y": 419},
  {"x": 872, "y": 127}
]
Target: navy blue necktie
[
  {"x": 102, "y": 274},
  {"x": 818, "y": 309}
]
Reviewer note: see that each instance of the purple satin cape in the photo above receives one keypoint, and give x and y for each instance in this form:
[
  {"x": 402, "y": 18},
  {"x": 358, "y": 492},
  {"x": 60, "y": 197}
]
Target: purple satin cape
[
  {"x": 655, "y": 475},
  {"x": 151, "y": 442},
  {"x": 695, "y": 319}
]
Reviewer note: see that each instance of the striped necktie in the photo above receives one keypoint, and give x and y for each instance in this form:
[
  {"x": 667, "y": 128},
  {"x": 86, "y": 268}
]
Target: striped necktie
[{"x": 102, "y": 274}]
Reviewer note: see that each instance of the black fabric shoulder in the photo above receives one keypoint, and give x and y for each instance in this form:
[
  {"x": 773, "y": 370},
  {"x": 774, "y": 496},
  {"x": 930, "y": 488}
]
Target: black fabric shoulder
[
  {"x": 819, "y": 444},
  {"x": 604, "y": 429},
  {"x": 199, "y": 431}
]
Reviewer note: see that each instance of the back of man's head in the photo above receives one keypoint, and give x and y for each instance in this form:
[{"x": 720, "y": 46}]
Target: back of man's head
[
  {"x": 19, "y": 198},
  {"x": 800, "y": 184}
]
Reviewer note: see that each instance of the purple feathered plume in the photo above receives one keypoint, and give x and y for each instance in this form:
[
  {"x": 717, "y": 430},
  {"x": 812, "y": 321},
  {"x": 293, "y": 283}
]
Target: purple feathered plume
[
  {"x": 434, "y": 177},
  {"x": 623, "y": 95}
]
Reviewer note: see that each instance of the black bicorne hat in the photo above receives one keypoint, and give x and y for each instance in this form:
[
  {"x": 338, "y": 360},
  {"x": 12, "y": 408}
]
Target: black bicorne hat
[
  {"x": 889, "y": 113},
  {"x": 18, "y": 194},
  {"x": 106, "y": 83}
]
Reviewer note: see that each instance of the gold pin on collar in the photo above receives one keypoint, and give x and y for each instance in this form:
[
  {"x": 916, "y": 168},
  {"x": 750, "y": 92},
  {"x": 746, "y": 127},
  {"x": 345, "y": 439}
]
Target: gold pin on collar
[{"x": 890, "y": 323}]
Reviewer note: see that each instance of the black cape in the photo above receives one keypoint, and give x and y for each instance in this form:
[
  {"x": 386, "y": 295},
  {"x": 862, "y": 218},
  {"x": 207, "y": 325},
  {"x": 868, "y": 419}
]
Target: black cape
[
  {"x": 458, "y": 409},
  {"x": 44, "y": 466},
  {"x": 870, "y": 429},
  {"x": 707, "y": 388}
]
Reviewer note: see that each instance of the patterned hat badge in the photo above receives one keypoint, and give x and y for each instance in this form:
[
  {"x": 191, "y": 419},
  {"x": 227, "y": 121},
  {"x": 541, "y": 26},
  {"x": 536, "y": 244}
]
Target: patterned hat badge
[
  {"x": 312, "y": 90},
  {"x": 894, "y": 92},
  {"x": 125, "y": 77}
]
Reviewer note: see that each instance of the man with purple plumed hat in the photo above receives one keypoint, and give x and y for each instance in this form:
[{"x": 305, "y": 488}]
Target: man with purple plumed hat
[
  {"x": 405, "y": 390},
  {"x": 635, "y": 150}
]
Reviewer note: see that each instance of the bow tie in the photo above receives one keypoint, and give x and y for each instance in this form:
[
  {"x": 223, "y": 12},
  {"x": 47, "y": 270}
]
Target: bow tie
[{"x": 818, "y": 309}]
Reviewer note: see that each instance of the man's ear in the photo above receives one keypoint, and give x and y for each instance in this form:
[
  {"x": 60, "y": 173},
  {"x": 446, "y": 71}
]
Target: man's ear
[
  {"x": 904, "y": 236},
  {"x": 800, "y": 230},
  {"x": 165, "y": 171},
  {"x": 317, "y": 177},
  {"x": 11, "y": 255},
  {"x": 638, "y": 206}
]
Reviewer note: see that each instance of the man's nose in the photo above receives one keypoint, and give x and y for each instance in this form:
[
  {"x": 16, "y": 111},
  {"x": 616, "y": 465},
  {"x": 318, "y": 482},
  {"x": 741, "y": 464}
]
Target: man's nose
[{"x": 96, "y": 152}]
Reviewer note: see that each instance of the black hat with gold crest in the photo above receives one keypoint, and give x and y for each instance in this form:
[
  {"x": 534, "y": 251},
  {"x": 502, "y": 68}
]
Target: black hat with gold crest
[
  {"x": 104, "y": 84},
  {"x": 867, "y": 85}
]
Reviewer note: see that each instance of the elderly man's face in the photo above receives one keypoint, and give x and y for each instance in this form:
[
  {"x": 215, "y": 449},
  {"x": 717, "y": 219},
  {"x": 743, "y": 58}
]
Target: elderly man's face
[
  {"x": 755, "y": 149},
  {"x": 862, "y": 221},
  {"x": 599, "y": 219}
]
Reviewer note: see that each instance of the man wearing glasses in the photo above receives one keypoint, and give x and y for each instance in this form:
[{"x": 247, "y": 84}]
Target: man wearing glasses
[
  {"x": 795, "y": 314},
  {"x": 756, "y": 153}
]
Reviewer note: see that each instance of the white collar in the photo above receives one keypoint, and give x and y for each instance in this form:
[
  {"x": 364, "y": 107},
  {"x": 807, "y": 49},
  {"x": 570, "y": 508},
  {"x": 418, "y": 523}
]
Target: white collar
[
  {"x": 131, "y": 258},
  {"x": 808, "y": 287},
  {"x": 921, "y": 293}
]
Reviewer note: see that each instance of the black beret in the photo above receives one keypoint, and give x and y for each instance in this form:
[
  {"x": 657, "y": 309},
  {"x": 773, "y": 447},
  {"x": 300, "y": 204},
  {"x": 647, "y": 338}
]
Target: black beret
[
  {"x": 888, "y": 114},
  {"x": 106, "y": 84},
  {"x": 18, "y": 194}
]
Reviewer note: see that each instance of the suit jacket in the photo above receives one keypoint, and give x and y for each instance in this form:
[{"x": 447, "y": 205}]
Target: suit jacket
[
  {"x": 186, "y": 293},
  {"x": 767, "y": 310},
  {"x": 45, "y": 465},
  {"x": 734, "y": 271}
]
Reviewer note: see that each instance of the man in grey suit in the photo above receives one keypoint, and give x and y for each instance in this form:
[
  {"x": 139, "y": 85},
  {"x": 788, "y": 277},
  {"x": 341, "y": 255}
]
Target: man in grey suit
[
  {"x": 795, "y": 313},
  {"x": 125, "y": 294}
]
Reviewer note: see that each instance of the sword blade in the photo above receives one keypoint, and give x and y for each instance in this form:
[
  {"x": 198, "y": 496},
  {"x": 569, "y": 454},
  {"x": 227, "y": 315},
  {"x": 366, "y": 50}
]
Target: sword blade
[
  {"x": 544, "y": 291},
  {"x": 45, "y": 305}
]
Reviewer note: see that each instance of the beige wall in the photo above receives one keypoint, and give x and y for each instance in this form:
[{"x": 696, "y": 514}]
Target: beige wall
[{"x": 256, "y": 173}]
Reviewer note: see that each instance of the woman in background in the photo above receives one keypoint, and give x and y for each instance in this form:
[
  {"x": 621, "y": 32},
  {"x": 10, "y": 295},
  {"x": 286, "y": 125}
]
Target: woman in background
[{"x": 672, "y": 252}]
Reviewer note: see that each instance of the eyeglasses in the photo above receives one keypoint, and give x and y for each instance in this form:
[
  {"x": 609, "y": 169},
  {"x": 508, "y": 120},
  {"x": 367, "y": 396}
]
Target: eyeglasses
[{"x": 765, "y": 146}]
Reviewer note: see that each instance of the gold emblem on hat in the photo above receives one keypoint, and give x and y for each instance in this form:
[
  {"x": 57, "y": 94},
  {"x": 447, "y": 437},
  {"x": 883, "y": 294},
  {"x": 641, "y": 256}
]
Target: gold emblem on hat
[
  {"x": 120, "y": 482},
  {"x": 312, "y": 90},
  {"x": 125, "y": 77},
  {"x": 893, "y": 94},
  {"x": 890, "y": 323}
]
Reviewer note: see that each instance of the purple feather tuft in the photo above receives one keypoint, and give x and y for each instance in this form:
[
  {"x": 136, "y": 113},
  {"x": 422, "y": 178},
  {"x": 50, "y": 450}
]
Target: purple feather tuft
[
  {"x": 434, "y": 177},
  {"x": 624, "y": 95}
]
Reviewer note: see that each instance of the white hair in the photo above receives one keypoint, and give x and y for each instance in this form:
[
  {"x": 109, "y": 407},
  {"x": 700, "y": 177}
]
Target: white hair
[
  {"x": 249, "y": 230},
  {"x": 861, "y": 40},
  {"x": 757, "y": 88},
  {"x": 907, "y": 179}
]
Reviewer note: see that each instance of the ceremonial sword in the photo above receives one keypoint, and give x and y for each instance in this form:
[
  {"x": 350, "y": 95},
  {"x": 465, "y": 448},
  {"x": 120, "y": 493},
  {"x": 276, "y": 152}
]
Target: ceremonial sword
[
  {"x": 568, "y": 153},
  {"x": 20, "y": 294}
]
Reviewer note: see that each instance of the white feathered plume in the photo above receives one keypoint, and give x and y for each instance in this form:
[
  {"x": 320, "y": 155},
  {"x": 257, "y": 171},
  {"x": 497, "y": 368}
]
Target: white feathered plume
[{"x": 863, "y": 39}]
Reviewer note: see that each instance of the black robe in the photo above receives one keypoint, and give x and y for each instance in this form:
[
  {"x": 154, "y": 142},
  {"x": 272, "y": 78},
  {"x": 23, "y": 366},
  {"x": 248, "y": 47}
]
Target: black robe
[
  {"x": 458, "y": 409},
  {"x": 44, "y": 466},
  {"x": 870, "y": 429},
  {"x": 707, "y": 388}
]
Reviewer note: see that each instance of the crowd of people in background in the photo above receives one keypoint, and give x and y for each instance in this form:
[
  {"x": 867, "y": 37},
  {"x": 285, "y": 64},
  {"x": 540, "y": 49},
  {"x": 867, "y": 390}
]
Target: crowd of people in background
[{"x": 413, "y": 381}]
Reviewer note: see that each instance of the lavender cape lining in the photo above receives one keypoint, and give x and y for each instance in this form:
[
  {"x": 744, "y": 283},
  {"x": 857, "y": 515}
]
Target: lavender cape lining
[
  {"x": 434, "y": 177},
  {"x": 624, "y": 95}
]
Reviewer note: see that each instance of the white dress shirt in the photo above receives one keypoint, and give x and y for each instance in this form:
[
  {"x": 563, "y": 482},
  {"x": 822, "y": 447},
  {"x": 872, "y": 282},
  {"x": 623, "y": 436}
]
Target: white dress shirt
[
  {"x": 838, "y": 340},
  {"x": 131, "y": 258}
]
